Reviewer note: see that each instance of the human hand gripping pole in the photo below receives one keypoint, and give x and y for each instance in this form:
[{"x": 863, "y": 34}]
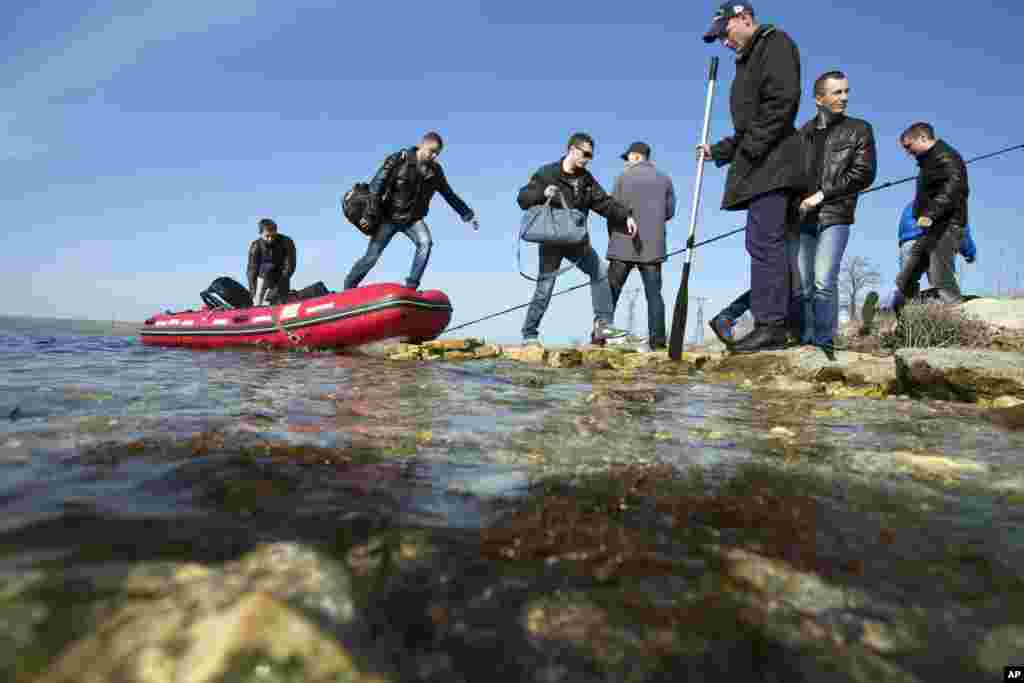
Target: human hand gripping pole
[{"x": 675, "y": 345}]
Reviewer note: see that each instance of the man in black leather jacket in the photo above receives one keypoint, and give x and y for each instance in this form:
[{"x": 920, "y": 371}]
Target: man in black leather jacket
[
  {"x": 940, "y": 208},
  {"x": 840, "y": 161},
  {"x": 400, "y": 199}
]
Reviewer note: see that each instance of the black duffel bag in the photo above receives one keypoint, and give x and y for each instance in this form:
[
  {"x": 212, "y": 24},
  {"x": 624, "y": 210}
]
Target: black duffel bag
[{"x": 313, "y": 291}]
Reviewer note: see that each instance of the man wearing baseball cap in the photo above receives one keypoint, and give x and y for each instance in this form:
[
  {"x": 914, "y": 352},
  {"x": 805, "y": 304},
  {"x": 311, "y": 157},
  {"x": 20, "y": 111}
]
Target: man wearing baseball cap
[
  {"x": 651, "y": 195},
  {"x": 763, "y": 155}
]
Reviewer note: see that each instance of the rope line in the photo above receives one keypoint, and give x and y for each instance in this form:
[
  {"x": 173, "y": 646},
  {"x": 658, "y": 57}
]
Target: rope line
[{"x": 876, "y": 188}]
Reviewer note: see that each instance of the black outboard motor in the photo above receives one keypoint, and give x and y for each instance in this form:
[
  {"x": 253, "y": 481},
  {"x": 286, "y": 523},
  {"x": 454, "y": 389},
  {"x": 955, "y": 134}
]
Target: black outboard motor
[{"x": 225, "y": 292}]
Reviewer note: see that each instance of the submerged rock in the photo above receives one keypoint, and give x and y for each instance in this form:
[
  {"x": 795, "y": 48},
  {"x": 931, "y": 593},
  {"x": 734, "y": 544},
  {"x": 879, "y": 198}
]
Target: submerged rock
[
  {"x": 191, "y": 623},
  {"x": 961, "y": 374}
]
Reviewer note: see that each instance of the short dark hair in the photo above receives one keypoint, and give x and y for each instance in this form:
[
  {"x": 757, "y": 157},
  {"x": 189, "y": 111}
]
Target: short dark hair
[
  {"x": 434, "y": 136},
  {"x": 819, "y": 84},
  {"x": 267, "y": 223},
  {"x": 918, "y": 128},
  {"x": 578, "y": 139}
]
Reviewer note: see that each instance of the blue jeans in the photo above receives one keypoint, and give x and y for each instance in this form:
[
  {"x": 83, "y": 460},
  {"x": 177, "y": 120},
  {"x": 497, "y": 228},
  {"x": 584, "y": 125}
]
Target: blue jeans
[
  {"x": 618, "y": 272},
  {"x": 820, "y": 256},
  {"x": 587, "y": 260},
  {"x": 418, "y": 232}
]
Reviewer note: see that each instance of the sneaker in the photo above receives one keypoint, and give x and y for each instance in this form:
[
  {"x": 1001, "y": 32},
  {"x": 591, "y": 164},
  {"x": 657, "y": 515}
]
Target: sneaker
[
  {"x": 606, "y": 334},
  {"x": 722, "y": 327},
  {"x": 532, "y": 343},
  {"x": 867, "y": 314}
]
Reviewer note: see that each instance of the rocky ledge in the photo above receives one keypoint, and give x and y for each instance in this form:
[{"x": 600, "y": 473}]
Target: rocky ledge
[{"x": 992, "y": 378}]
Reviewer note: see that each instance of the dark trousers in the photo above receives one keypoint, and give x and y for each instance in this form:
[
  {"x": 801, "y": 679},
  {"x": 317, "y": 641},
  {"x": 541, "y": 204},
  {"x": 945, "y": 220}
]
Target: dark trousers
[
  {"x": 933, "y": 253},
  {"x": 618, "y": 272},
  {"x": 769, "y": 260}
]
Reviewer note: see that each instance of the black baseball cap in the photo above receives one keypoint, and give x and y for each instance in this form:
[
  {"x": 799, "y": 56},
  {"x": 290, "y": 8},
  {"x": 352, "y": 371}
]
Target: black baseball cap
[
  {"x": 640, "y": 148},
  {"x": 723, "y": 14}
]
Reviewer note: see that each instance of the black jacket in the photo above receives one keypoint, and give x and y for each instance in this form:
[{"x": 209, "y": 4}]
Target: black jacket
[
  {"x": 402, "y": 189},
  {"x": 763, "y": 153},
  {"x": 581, "y": 190},
  {"x": 283, "y": 255},
  {"x": 942, "y": 187},
  {"x": 848, "y": 165}
]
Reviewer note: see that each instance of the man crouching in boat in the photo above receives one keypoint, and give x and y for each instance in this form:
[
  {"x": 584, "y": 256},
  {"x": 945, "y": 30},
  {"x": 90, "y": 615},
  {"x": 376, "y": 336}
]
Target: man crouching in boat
[
  {"x": 400, "y": 197},
  {"x": 271, "y": 265}
]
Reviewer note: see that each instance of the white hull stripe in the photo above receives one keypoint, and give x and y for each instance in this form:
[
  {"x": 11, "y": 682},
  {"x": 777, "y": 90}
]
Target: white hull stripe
[
  {"x": 346, "y": 313},
  {"x": 263, "y": 319},
  {"x": 221, "y": 321},
  {"x": 321, "y": 307}
]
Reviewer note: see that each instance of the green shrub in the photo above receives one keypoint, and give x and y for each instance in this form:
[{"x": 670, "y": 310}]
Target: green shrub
[{"x": 934, "y": 324}]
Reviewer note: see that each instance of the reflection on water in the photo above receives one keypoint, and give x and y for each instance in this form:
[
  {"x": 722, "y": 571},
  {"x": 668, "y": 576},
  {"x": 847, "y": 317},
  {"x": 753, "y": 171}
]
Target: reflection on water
[{"x": 113, "y": 453}]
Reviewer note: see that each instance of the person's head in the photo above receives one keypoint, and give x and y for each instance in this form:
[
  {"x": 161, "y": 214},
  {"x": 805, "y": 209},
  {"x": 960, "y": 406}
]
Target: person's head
[
  {"x": 832, "y": 92},
  {"x": 580, "y": 150},
  {"x": 430, "y": 146},
  {"x": 268, "y": 229},
  {"x": 638, "y": 151},
  {"x": 734, "y": 24},
  {"x": 918, "y": 138}
]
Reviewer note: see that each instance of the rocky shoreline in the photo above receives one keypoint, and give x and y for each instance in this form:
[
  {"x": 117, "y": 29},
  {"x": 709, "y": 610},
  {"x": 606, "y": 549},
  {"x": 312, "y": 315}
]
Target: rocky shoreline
[{"x": 990, "y": 378}]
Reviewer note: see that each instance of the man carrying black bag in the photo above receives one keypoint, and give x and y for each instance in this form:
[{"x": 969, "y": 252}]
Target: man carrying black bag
[
  {"x": 569, "y": 181},
  {"x": 398, "y": 201}
]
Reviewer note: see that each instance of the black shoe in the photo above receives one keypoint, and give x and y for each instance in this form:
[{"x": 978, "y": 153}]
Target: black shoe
[
  {"x": 763, "y": 338},
  {"x": 829, "y": 351}
]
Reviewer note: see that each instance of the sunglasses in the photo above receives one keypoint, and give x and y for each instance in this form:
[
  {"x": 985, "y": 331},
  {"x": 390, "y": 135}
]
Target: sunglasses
[{"x": 587, "y": 154}]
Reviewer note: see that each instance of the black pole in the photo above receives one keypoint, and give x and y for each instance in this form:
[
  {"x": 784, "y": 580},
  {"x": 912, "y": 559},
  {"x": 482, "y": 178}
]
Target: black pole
[{"x": 675, "y": 345}]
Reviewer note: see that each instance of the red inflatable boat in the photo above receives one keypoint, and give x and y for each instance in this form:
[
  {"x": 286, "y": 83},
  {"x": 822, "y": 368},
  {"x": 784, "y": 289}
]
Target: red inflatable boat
[{"x": 349, "y": 318}]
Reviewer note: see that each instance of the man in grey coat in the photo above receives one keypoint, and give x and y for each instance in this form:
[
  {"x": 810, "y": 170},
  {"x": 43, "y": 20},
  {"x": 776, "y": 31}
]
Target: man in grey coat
[{"x": 651, "y": 195}]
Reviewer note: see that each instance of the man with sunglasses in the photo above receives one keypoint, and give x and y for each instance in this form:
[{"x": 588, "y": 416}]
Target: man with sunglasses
[
  {"x": 940, "y": 210},
  {"x": 570, "y": 180},
  {"x": 400, "y": 195},
  {"x": 764, "y": 159}
]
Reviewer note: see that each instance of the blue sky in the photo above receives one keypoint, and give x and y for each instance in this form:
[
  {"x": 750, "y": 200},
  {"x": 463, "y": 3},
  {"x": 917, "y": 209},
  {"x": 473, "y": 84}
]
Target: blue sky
[{"x": 141, "y": 141}]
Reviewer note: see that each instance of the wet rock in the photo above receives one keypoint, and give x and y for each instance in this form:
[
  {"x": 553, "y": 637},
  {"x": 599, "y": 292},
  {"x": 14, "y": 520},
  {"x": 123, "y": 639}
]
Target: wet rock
[
  {"x": 447, "y": 345},
  {"x": 1007, "y": 402},
  {"x": 565, "y": 358},
  {"x": 930, "y": 466},
  {"x": 805, "y": 592},
  {"x": 1011, "y": 418},
  {"x": 596, "y": 357},
  {"x": 1006, "y": 313},
  {"x": 635, "y": 361},
  {"x": 782, "y": 432},
  {"x": 630, "y": 393},
  {"x": 487, "y": 351},
  {"x": 960, "y": 374},
  {"x": 811, "y": 365},
  {"x": 190, "y": 623},
  {"x": 788, "y": 385},
  {"x": 1002, "y": 647},
  {"x": 459, "y": 355},
  {"x": 525, "y": 354}
]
